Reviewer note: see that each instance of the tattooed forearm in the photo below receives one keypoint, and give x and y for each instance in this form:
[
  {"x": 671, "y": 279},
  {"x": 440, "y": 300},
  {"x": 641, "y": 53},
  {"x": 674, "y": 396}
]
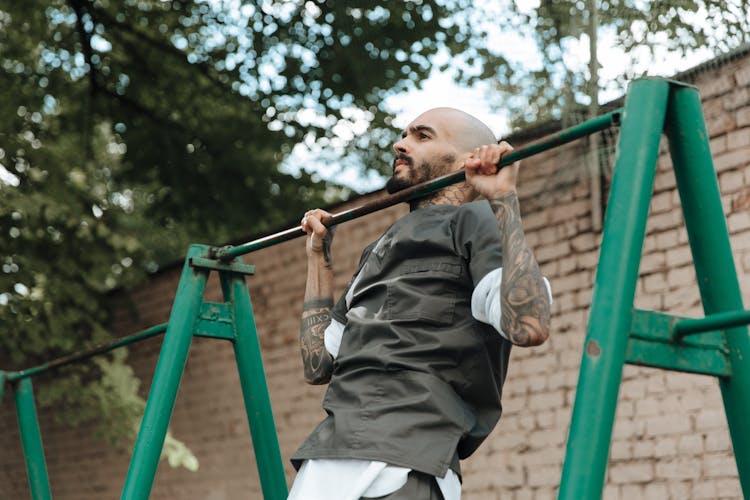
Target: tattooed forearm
[
  {"x": 317, "y": 362},
  {"x": 524, "y": 300}
]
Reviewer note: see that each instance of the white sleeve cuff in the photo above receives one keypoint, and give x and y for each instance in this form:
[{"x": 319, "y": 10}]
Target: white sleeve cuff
[
  {"x": 485, "y": 301},
  {"x": 332, "y": 337}
]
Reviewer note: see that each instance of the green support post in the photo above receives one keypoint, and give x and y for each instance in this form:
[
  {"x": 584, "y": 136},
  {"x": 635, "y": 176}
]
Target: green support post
[
  {"x": 614, "y": 290},
  {"x": 255, "y": 389},
  {"x": 2, "y": 384},
  {"x": 31, "y": 439},
  {"x": 714, "y": 263},
  {"x": 166, "y": 381}
]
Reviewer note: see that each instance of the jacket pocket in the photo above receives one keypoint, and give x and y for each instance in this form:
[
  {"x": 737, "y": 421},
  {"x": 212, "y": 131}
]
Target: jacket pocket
[{"x": 424, "y": 292}]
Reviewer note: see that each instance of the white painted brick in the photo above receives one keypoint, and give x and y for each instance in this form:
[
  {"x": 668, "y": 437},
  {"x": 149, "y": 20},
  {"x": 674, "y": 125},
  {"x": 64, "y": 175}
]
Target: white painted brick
[
  {"x": 728, "y": 488},
  {"x": 665, "y": 447},
  {"x": 546, "y": 400},
  {"x": 731, "y": 181},
  {"x": 643, "y": 449},
  {"x": 679, "y": 468},
  {"x": 719, "y": 466},
  {"x": 631, "y": 491},
  {"x": 704, "y": 489},
  {"x": 611, "y": 492},
  {"x": 667, "y": 425},
  {"x": 718, "y": 440},
  {"x": 738, "y": 221},
  {"x": 620, "y": 450},
  {"x": 691, "y": 444},
  {"x": 679, "y": 489},
  {"x": 547, "y": 475},
  {"x": 544, "y": 493},
  {"x": 631, "y": 472},
  {"x": 709, "y": 419},
  {"x": 655, "y": 491}
]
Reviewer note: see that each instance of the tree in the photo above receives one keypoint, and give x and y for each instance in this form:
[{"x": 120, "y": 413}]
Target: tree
[
  {"x": 642, "y": 29},
  {"x": 130, "y": 128}
]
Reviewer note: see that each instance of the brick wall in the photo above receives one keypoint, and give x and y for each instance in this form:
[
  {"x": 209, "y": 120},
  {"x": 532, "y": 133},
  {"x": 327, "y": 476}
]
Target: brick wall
[{"x": 670, "y": 438}]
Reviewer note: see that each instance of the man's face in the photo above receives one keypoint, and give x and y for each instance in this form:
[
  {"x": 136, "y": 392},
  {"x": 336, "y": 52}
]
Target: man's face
[{"x": 424, "y": 152}]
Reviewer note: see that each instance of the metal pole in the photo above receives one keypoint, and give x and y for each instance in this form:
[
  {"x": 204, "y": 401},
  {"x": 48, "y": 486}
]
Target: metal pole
[
  {"x": 568, "y": 135},
  {"x": 169, "y": 368},
  {"x": 713, "y": 322},
  {"x": 614, "y": 290},
  {"x": 255, "y": 389},
  {"x": 592, "y": 158},
  {"x": 31, "y": 439},
  {"x": 712, "y": 253},
  {"x": 79, "y": 356}
]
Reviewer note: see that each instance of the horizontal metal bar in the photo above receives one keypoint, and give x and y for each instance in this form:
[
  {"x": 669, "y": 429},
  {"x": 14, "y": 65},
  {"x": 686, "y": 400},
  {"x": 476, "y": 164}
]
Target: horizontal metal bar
[
  {"x": 234, "y": 267},
  {"x": 545, "y": 143},
  {"x": 718, "y": 321},
  {"x": 78, "y": 356}
]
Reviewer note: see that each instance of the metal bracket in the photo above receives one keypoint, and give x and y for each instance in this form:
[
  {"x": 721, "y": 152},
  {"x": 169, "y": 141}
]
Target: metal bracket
[
  {"x": 652, "y": 342},
  {"x": 232, "y": 266},
  {"x": 215, "y": 321}
]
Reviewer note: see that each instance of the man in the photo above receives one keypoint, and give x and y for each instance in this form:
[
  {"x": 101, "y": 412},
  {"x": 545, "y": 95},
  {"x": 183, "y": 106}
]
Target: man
[{"x": 416, "y": 350}]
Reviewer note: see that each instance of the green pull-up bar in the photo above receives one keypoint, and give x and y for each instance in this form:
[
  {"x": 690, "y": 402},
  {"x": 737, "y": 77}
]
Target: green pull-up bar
[{"x": 563, "y": 137}]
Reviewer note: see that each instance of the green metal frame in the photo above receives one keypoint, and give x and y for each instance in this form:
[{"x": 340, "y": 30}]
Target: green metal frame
[
  {"x": 618, "y": 334},
  {"x": 716, "y": 345},
  {"x": 232, "y": 320}
]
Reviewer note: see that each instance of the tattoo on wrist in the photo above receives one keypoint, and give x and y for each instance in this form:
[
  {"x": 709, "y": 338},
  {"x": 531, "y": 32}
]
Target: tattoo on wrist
[{"x": 316, "y": 361}]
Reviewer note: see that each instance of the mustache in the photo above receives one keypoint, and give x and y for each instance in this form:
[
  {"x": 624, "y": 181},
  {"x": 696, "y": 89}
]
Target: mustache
[{"x": 401, "y": 156}]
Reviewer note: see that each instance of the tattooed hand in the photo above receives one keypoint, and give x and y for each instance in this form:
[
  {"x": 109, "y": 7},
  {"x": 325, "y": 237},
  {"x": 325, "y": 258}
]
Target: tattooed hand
[
  {"x": 482, "y": 172},
  {"x": 320, "y": 237}
]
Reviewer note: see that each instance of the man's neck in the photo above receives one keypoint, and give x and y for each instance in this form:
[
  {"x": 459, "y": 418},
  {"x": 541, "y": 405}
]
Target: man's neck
[{"x": 456, "y": 195}]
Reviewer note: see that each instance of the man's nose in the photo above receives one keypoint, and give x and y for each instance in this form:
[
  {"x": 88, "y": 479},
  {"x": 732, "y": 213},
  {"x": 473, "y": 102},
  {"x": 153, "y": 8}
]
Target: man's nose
[{"x": 399, "y": 146}]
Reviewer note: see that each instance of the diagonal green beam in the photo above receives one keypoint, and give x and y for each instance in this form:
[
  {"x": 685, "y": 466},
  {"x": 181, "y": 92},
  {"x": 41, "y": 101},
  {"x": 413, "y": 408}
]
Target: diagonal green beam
[
  {"x": 712, "y": 254},
  {"x": 614, "y": 290},
  {"x": 31, "y": 440}
]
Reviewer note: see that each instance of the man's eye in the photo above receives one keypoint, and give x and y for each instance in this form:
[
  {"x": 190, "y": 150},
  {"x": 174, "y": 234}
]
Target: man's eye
[{"x": 422, "y": 135}]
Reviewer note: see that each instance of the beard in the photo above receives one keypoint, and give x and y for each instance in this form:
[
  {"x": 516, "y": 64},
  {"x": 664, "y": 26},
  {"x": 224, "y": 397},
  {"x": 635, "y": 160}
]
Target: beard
[{"x": 414, "y": 175}]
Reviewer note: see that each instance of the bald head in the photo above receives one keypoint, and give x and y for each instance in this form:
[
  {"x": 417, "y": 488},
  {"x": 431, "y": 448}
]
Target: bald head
[{"x": 463, "y": 130}]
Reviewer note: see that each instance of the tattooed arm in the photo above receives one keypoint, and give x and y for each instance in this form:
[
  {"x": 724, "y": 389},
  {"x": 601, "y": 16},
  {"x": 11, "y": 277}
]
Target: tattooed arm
[
  {"x": 316, "y": 309},
  {"x": 524, "y": 301}
]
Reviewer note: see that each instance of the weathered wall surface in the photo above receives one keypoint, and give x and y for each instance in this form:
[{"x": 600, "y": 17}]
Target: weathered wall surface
[{"x": 670, "y": 438}]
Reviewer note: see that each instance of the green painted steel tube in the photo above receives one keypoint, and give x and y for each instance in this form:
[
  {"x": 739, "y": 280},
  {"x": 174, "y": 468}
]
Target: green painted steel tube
[
  {"x": 717, "y": 321},
  {"x": 255, "y": 389},
  {"x": 712, "y": 253},
  {"x": 614, "y": 290},
  {"x": 568, "y": 135},
  {"x": 2, "y": 384},
  {"x": 80, "y": 356},
  {"x": 31, "y": 439},
  {"x": 169, "y": 368}
]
